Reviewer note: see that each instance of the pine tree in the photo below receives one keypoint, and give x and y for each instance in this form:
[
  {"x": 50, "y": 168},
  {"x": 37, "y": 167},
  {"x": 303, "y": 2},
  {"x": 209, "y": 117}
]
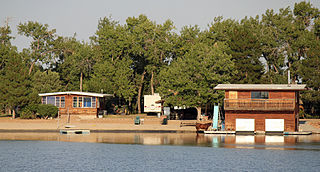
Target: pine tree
[{"x": 15, "y": 83}]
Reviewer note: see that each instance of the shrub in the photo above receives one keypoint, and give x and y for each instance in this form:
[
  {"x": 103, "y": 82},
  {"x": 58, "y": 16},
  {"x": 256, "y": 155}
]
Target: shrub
[
  {"x": 47, "y": 110},
  {"x": 40, "y": 111},
  {"x": 29, "y": 112}
]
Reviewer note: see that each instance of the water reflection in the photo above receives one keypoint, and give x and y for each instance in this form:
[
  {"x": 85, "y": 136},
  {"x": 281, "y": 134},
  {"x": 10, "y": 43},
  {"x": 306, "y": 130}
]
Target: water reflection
[{"x": 310, "y": 142}]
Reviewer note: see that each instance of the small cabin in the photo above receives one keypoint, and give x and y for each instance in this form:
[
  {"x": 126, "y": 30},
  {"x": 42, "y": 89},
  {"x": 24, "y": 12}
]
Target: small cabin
[
  {"x": 261, "y": 107},
  {"x": 83, "y": 104}
]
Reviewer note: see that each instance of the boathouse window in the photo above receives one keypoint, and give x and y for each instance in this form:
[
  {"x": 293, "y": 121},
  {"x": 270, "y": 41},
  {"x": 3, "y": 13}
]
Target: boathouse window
[
  {"x": 259, "y": 95},
  {"x": 84, "y": 102}
]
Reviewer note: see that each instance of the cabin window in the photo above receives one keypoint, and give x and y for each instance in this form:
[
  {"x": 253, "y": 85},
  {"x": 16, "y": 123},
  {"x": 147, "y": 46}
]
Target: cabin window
[
  {"x": 44, "y": 100},
  {"x": 87, "y": 101},
  {"x": 51, "y": 100},
  {"x": 259, "y": 95},
  {"x": 80, "y": 101},
  {"x": 62, "y": 104},
  {"x": 58, "y": 101},
  {"x": 93, "y": 102},
  {"x": 74, "y": 101},
  {"x": 84, "y": 102}
]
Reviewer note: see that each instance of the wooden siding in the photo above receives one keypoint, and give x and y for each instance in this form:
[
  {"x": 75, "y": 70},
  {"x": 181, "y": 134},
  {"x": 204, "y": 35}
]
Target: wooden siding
[
  {"x": 76, "y": 111},
  {"x": 260, "y": 116},
  {"x": 280, "y": 105},
  {"x": 272, "y": 94},
  {"x": 278, "y": 100}
]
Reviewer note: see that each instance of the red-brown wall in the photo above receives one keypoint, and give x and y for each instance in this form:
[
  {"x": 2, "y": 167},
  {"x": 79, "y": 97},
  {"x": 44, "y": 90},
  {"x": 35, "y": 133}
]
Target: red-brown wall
[
  {"x": 260, "y": 117},
  {"x": 76, "y": 111},
  {"x": 272, "y": 94},
  {"x": 291, "y": 118}
]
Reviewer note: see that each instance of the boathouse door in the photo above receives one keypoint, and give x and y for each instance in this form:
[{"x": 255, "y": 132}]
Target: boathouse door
[
  {"x": 244, "y": 124},
  {"x": 274, "y": 124}
]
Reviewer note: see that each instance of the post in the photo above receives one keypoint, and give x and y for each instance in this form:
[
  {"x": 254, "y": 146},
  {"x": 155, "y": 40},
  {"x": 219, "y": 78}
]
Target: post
[
  {"x": 288, "y": 78},
  {"x": 68, "y": 115},
  {"x": 58, "y": 119}
]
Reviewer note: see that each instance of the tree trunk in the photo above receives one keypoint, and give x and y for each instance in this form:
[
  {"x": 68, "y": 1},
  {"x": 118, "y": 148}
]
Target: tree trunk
[
  {"x": 31, "y": 67},
  {"x": 151, "y": 84},
  {"x": 81, "y": 75},
  {"x": 139, "y": 93},
  {"x": 198, "y": 113},
  {"x": 13, "y": 114},
  {"x": 206, "y": 110},
  {"x": 129, "y": 106}
]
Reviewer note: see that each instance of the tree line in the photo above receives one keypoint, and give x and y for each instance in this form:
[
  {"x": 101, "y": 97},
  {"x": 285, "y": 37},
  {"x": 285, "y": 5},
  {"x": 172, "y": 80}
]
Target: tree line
[{"x": 143, "y": 57}]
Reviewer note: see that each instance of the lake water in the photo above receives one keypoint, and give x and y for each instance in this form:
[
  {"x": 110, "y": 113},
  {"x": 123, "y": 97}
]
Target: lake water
[{"x": 157, "y": 152}]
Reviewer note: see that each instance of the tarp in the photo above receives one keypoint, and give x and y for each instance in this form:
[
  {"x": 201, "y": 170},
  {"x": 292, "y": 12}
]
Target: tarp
[{"x": 215, "y": 117}]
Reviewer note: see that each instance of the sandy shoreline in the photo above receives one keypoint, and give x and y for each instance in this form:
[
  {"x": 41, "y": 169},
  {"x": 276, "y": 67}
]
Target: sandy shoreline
[
  {"x": 151, "y": 124},
  {"x": 118, "y": 124}
]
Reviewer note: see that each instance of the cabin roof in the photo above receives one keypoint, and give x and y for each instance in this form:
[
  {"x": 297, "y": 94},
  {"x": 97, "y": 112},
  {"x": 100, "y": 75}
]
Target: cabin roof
[
  {"x": 76, "y": 93},
  {"x": 292, "y": 87}
]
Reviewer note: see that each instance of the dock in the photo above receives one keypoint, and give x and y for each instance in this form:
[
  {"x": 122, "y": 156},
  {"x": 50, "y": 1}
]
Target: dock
[
  {"x": 298, "y": 133},
  {"x": 74, "y": 131},
  {"x": 219, "y": 132}
]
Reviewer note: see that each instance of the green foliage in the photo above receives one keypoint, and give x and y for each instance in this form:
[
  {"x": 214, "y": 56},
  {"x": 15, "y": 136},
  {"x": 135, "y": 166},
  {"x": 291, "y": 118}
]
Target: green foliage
[
  {"x": 76, "y": 62},
  {"x": 15, "y": 83},
  {"x": 46, "y": 81},
  {"x": 47, "y": 111},
  {"x": 39, "y": 111},
  {"x": 29, "y": 112},
  {"x": 245, "y": 46},
  {"x": 190, "y": 79},
  {"x": 41, "y": 47},
  {"x": 5, "y": 35},
  {"x": 113, "y": 77}
]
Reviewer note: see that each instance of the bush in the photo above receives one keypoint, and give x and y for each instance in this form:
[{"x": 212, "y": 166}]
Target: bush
[
  {"x": 29, "y": 112},
  {"x": 40, "y": 111},
  {"x": 47, "y": 111}
]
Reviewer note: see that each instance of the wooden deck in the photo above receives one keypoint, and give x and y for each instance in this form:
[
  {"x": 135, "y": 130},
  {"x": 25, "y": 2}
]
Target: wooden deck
[{"x": 260, "y": 104}]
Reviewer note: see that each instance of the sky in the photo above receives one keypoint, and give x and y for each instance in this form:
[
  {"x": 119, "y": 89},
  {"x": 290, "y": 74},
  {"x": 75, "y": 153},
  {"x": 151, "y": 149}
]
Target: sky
[{"x": 82, "y": 16}]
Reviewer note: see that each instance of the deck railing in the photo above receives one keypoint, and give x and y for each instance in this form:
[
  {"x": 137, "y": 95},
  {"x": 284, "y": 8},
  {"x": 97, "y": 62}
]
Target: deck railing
[{"x": 259, "y": 104}]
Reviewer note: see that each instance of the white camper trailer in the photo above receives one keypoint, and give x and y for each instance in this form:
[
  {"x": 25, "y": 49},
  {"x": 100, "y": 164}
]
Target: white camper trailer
[{"x": 150, "y": 104}]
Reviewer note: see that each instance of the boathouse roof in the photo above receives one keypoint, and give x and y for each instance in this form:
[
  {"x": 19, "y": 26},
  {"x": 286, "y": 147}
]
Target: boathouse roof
[{"x": 292, "y": 87}]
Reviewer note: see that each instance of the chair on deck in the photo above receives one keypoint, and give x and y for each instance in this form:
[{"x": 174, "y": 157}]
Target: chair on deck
[{"x": 137, "y": 120}]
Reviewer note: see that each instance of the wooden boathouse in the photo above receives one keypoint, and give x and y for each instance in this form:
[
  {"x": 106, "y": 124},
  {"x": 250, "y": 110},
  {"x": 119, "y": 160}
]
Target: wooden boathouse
[
  {"x": 261, "y": 107},
  {"x": 82, "y": 104}
]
